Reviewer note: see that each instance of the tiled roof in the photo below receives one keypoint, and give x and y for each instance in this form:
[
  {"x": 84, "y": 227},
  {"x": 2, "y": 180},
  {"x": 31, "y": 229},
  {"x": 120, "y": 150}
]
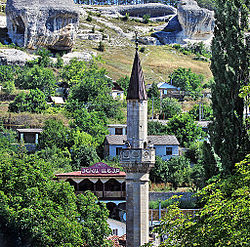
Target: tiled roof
[
  {"x": 164, "y": 85},
  {"x": 29, "y": 130},
  {"x": 155, "y": 140},
  {"x": 137, "y": 88},
  {"x": 79, "y": 174}
]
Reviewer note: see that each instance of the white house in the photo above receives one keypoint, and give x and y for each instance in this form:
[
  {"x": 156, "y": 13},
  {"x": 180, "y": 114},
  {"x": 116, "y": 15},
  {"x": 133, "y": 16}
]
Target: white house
[
  {"x": 165, "y": 146},
  {"x": 117, "y": 91},
  {"x": 118, "y": 228}
]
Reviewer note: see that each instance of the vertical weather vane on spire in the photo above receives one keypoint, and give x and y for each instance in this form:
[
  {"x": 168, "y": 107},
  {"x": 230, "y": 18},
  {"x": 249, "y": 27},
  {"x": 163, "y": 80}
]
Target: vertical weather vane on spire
[{"x": 136, "y": 40}]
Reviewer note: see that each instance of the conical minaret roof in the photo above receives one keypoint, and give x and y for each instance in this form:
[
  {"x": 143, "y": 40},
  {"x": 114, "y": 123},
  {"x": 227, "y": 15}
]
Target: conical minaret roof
[{"x": 137, "y": 88}]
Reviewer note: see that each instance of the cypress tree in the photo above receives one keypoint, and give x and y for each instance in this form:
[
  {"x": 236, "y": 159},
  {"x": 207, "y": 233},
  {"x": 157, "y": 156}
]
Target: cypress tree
[{"x": 230, "y": 68}]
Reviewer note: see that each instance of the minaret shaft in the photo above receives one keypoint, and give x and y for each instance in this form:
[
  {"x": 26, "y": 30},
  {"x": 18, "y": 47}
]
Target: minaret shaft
[
  {"x": 137, "y": 160},
  {"x": 137, "y": 126}
]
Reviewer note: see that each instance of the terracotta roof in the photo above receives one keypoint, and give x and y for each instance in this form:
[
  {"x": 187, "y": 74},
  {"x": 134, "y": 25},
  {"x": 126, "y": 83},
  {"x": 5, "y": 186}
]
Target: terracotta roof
[
  {"x": 155, "y": 140},
  {"x": 79, "y": 174},
  {"x": 136, "y": 88}
]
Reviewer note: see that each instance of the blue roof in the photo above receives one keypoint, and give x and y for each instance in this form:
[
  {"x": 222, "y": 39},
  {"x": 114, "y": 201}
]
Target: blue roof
[{"x": 164, "y": 85}]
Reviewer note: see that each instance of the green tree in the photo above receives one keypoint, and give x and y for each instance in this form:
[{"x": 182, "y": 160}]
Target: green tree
[
  {"x": 34, "y": 101},
  {"x": 169, "y": 108},
  {"x": 230, "y": 68},
  {"x": 93, "y": 218},
  {"x": 153, "y": 91},
  {"x": 187, "y": 81},
  {"x": 92, "y": 88},
  {"x": 176, "y": 171},
  {"x": 7, "y": 79},
  {"x": 184, "y": 128},
  {"x": 156, "y": 128},
  {"x": 206, "y": 111},
  {"x": 39, "y": 211},
  {"x": 93, "y": 123},
  {"x": 223, "y": 221},
  {"x": 123, "y": 82},
  {"x": 54, "y": 134},
  {"x": 37, "y": 78},
  {"x": 6, "y": 73},
  {"x": 8, "y": 87}
]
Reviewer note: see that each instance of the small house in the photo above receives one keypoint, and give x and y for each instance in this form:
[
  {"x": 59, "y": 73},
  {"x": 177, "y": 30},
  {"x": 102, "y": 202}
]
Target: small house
[
  {"x": 166, "y": 146},
  {"x": 168, "y": 90},
  {"x": 117, "y": 129},
  {"x": 29, "y": 136},
  {"x": 117, "y": 91}
]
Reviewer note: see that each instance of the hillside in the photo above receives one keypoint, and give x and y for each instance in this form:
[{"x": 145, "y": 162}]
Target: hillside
[{"x": 116, "y": 34}]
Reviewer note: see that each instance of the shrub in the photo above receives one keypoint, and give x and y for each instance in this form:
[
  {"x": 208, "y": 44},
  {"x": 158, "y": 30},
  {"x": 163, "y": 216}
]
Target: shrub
[
  {"x": 101, "y": 46},
  {"x": 145, "y": 19},
  {"x": 89, "y": 18}
]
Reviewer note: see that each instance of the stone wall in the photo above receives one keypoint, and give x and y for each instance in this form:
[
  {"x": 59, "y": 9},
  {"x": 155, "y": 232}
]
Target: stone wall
[{"x": 50, "y": 24}]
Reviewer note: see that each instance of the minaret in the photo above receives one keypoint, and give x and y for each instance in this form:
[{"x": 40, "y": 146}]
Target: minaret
[{"x": 137, "y": 160}]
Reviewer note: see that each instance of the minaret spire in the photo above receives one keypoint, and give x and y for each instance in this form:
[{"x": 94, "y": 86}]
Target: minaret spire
[{"x": 137, "y": 89}]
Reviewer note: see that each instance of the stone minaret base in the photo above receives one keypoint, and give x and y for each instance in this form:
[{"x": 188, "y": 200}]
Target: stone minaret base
[{"x": 137, "y": 185}]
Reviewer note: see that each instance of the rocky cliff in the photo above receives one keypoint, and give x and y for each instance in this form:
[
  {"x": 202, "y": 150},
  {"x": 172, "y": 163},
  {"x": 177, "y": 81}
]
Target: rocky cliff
[
  {"x": 46, "y": 23},
  {"x": 191, "y": 23}
]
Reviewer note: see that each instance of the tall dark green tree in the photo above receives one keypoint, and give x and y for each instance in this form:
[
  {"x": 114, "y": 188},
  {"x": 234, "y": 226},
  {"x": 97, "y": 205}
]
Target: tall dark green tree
[{"x": 230, "y": 67}]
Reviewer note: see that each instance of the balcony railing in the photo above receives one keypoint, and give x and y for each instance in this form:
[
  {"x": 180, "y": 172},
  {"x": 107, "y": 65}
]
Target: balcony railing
[{"x": 107, "y": 194}]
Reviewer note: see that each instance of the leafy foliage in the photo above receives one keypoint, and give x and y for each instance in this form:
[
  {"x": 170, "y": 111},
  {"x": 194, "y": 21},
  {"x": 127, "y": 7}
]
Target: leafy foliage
[
  {"x": 169, "y": 108},
  {"x": 54, "y": 134},
  {"x": 123, "y": 82},
  {"x": 184, "y": 128},
  {"x": 34, "y": 101},
  {"x": 176, "y": 171},
  {"x": 230, "y": 67},
  {"x": 37, "y": 78},
  {"x": 223, "y": 221},
  {"x": 35, "y": 210},
  {"x": 187, "y": 81},
  {"x": 207, "y": 112}
]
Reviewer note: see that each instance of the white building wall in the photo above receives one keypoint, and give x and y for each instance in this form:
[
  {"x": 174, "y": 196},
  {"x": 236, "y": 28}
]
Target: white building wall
[{"x": 120, "y": 226}]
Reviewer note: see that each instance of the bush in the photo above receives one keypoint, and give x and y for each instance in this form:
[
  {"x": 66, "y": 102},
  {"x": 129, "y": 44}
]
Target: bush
[
  {"x": 145, "y": 19},
  {"x": 126, "y": 17},
  {"x": 34, "y": 102},
  {"x": 101, "y": 47},
  {"x": 89, "y": 18}
]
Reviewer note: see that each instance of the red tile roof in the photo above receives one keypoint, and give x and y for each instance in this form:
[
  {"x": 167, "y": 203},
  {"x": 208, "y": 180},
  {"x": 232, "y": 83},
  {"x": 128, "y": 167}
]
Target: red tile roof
[{"x": 79, "y": 174}]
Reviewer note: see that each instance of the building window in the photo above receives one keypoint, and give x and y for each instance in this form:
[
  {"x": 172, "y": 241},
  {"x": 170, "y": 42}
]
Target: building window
[
  {"x": 118, "y": 131},
  {"x": 115, "y": 232},
  {"x": 168, "y": 151},
  {"x": 118, "y": 151}
]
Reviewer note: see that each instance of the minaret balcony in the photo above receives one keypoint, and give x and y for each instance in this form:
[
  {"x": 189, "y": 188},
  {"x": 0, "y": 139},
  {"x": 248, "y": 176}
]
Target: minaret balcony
[{"x": 137, "y": 159}]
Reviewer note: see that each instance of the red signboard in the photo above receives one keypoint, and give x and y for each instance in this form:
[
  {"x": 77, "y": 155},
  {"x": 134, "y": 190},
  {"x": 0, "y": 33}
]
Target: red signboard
[{"x": 100, "y": 168}]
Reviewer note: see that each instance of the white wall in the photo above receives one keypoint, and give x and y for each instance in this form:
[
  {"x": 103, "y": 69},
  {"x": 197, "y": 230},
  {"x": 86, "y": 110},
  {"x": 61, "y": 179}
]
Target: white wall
[{"x": 120, "y": 226}]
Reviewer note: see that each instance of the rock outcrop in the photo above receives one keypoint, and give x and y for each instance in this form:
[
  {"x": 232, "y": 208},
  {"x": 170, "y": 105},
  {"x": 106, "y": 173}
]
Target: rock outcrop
[
  {"x": 190, "y": 24},
  {"x": 138, "y": 10},
  {"x": 196, "y": 22},
  {"x": 50, "y": 24},
  {"x": 15, "y": 57}
]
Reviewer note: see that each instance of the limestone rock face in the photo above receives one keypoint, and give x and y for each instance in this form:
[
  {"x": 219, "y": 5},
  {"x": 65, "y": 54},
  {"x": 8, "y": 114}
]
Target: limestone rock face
[
  {"x": 190, "y": 24},
  {"x": 138, "y": 10},
  {"x": 46, "y": 23},
  {"x": 195, "y": 21},
  {"x": 14, "y": 57}
]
